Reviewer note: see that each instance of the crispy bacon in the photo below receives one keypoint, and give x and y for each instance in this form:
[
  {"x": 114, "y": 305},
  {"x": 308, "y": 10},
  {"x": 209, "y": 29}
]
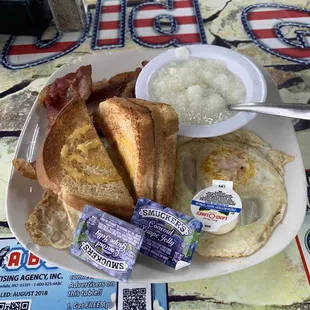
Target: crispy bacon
[
  {"x": 119, "y": 85},
  {"x": 26, "y": 168},
  {"x": 56, "y": 95},
  {"x": 57, "y": 92},
  {"x": 113, "y": 87}
]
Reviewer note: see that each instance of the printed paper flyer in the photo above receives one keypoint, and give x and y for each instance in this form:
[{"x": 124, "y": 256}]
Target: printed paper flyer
[{"x": 27, "y": 282}]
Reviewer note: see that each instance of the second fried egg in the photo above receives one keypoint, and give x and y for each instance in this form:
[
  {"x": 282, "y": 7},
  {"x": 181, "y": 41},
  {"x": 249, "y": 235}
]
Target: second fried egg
[{"x": 257, "y": 174}]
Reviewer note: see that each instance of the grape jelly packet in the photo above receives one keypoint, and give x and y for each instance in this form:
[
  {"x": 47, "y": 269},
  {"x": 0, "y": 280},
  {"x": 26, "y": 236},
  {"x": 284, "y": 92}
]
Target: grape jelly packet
[
  {"x": 170, "y": 237},
  {"x": 106, "y": 242}
]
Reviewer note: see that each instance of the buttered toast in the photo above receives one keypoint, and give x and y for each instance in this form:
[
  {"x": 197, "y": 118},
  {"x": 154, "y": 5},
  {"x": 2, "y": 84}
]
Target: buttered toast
[
  {"x": 145, "y": 136},
  {"x": 73, "y": 164}
]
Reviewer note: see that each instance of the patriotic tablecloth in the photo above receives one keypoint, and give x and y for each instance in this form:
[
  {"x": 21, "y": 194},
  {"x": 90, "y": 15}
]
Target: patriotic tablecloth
[{"x": 276, "y": 34}]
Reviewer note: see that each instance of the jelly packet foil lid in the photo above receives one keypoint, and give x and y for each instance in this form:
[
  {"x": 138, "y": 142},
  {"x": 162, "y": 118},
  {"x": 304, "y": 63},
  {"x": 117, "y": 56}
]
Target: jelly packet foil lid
[
  {"x": 170, "y": 237},
  {"x": 107, "y": 243}
]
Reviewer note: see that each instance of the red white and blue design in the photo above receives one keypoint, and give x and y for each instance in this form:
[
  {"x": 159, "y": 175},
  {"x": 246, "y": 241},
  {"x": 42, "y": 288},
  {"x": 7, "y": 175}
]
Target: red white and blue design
[
  {"x": 148, "y": 23},
  {"x": 183, "y": 24},
  {"x": 27, "y": 51},
  {"x": 109, "y": 28},
  {"x": 281, "y": 30}
]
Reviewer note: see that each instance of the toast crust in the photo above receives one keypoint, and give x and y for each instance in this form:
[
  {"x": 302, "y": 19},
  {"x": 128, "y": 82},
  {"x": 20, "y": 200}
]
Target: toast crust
[
  {"x": 78, "y": 204},
  {"x": 166, "y": 127},
  {"x": 45, "y": 182}
]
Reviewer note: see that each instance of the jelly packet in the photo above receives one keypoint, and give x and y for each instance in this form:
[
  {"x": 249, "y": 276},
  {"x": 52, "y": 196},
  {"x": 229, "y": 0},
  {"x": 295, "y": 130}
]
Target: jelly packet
[
  {"x": 170, "y": 237},
  {"x": 107, "y": 243}
]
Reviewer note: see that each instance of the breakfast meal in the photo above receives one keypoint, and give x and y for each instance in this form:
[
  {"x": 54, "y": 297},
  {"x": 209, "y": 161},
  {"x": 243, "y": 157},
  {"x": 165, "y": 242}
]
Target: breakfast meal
[
  {"x": 120, "y": 180},
  {"x": 199, "y": 90}
]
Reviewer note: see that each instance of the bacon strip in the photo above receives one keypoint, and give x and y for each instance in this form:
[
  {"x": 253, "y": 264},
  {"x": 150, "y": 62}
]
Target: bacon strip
[
  {"x": 56, "y": 95},
  {"x": 120, "y": 85}
]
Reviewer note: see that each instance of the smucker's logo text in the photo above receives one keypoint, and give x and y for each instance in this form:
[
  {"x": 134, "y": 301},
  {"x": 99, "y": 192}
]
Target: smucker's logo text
[
  {"x": 166, "y": 217},
  {"x": 116, "y": 265}
]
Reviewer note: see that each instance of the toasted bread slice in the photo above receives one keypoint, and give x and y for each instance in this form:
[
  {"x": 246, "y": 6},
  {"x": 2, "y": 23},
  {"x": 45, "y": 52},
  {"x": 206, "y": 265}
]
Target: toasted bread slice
[
  {"x": 149, "y": 152},
  {"x": 129, "y": 129},
  {"x": 73, "y": 164},
  {"x": 166, "y": 126}
]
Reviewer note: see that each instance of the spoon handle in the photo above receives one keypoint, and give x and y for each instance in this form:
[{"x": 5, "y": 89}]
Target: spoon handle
[{"x": 292, "y": 110}]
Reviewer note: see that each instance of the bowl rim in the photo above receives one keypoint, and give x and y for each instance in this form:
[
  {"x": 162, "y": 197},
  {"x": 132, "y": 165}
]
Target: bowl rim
[{"x": 199, "y": 131}]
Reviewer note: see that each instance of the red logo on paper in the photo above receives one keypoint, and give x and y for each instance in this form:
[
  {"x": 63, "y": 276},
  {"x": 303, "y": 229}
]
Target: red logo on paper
[{"x": 19, "y": 258}]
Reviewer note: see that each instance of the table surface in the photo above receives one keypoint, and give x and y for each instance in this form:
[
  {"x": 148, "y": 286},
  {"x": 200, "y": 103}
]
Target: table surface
[{"x": 280, "y": 282}]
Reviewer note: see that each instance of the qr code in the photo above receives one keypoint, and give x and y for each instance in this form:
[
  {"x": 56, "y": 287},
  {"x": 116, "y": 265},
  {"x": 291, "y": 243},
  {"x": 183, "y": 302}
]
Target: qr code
[
  {"x": 134, "y": 299},
  {"x": 133, "y": 296},
  {"x": 15, "y": 305}
]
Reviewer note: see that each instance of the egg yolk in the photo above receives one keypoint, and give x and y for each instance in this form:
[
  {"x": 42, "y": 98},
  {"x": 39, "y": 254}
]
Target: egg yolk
[{"x": 228, "y": 164}]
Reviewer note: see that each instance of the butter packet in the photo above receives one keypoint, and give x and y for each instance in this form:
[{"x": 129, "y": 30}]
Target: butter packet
[
  {"x": 107, "y": 243},
  {"x": 170, "y": 237}
]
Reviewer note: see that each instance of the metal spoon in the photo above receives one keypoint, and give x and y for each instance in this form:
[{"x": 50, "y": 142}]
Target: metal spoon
[{"x": 292, "y": 110}]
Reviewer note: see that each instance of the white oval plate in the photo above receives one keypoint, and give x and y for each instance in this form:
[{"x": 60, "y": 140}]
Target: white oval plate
[{"x": 23, "y": 194}]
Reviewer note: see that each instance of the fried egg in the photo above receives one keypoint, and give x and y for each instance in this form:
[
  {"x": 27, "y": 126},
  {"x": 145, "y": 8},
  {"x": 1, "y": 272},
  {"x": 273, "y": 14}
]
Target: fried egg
[{"x": 257, "y": 174}]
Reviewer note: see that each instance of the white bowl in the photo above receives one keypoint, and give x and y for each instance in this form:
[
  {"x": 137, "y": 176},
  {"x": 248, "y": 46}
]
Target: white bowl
[{"x": 241, "y": 66}]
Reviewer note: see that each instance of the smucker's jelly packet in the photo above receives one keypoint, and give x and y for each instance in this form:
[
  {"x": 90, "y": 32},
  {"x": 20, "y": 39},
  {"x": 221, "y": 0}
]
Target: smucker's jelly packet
[
  {"x": 107, "y": 243},
  {"x": 170, "y": 237}
]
